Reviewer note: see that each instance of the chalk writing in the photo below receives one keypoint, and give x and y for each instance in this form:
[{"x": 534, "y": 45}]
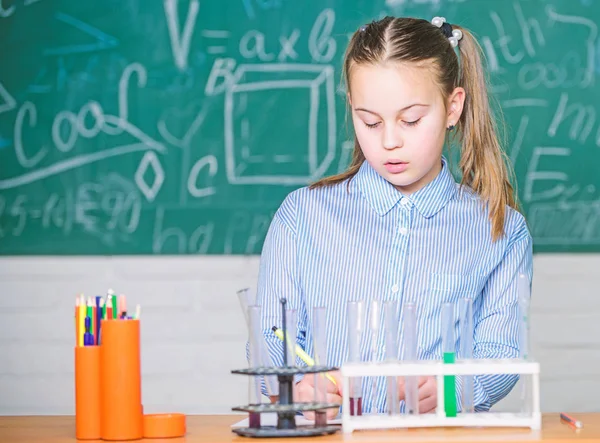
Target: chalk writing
[
  {"x": 7, "y": 101},
  {"x": 197, "y": 242},
  {"x": 180, "y": 41},
  {"x": 321, "y": 45},
  {"x": 180, "y": 129},
  {"x": 75, "y": 126},
  {"x": 7, "y": 11}
]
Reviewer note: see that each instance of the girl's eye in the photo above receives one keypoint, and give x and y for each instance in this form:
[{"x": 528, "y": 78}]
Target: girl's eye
[
  {"x": 374, "y": 125},
  {"x": 413, "y": 123}
]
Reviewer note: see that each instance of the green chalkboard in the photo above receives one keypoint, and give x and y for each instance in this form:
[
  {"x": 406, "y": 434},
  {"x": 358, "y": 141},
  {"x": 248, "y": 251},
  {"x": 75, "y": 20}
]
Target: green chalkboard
[{"x": 178, "y": 127}]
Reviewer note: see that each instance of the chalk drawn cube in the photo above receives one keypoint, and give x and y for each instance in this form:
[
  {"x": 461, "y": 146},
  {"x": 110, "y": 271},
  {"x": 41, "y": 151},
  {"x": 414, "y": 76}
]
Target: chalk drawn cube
[{"x": 279, "y": 123}]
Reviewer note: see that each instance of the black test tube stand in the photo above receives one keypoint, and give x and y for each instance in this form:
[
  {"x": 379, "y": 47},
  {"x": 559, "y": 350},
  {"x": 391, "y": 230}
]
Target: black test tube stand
[{"x": 285, "y": 408}]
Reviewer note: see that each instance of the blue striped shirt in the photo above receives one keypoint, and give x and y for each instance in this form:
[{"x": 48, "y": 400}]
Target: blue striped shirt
[{"x": 363, "y": 239}]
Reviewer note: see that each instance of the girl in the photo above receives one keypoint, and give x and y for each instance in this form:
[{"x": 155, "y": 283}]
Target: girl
[{"x": 396, "y": 225}]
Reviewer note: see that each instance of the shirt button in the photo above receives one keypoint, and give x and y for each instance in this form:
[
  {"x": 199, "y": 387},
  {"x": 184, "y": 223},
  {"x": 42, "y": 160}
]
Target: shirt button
[
  {"x": 404, "y": 201},
  {"x": 403, "y": 230},
  {"x": 395, "y": 288}
]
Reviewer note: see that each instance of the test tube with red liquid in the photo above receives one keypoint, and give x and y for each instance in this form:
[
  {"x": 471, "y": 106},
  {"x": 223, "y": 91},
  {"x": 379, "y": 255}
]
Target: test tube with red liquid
[
  {"x": 356, "y": 322},
  {"x": 320, "y": 357}
]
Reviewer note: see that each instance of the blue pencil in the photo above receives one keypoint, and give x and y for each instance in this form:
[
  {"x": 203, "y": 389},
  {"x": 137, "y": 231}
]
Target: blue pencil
[{"x": 98, "y": 318}]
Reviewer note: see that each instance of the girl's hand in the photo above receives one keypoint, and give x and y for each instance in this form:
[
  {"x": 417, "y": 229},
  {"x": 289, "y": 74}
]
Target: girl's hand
[
  {"x": 427, "y": 393},
  {"x": 304, "y": 391}
]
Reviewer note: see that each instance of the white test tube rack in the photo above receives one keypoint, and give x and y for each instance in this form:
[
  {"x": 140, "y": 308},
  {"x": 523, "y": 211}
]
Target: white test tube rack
[{"x": 532, "y": 420}]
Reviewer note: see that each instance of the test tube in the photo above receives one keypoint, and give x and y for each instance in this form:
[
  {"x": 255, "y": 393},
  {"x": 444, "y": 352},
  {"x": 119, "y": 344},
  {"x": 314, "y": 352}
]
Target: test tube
[
  {"x": 247, "y": 298},
  {"x": 286, "y": 420},
  {"x": 449, "y": 349},
  {"x": 524, "y": 300},
  {"x": 374, "y": 326},
  {"x": 320, "y": 357},
  {"x": 254, "y": 394},
  {"x": 524, "y": 296},
  {"x": 289, "y": 329},
  {"x": 390, "y": 309},
  {"x": 465, "y": 309},
  {"x": 356, "y": 320},
  {"x": 411, "y": 383}
]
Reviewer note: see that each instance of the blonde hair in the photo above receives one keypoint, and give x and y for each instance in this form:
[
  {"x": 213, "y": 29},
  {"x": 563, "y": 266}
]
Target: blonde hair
[{"x": 483, "y": 163}]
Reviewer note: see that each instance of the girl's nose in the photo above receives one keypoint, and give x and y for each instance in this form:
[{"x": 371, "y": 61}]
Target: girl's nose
[{"x": 392, "y": 138}]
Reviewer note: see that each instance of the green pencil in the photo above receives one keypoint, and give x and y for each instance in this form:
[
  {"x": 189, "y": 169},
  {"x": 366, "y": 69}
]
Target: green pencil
[{"x": 113, "y": 299}]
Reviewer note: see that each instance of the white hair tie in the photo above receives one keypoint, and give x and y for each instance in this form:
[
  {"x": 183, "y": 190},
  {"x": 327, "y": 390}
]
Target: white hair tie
[{"x": 453, "y": 35}]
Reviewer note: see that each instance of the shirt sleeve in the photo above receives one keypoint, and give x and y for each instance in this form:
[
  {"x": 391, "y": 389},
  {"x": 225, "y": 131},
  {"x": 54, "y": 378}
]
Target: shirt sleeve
[
  {"x": 496, "y": 322},
  {"x": 278, "y": 278}
]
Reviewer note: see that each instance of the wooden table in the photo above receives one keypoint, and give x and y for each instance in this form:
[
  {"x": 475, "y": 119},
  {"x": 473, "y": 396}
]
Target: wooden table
[{"x": 216, "y": 429}]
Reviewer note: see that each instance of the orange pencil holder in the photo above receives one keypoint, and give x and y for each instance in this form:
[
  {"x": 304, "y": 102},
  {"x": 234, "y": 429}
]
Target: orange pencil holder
[
  {"x": 121, "y": 416},
  {"x": 87, "y": 392}
]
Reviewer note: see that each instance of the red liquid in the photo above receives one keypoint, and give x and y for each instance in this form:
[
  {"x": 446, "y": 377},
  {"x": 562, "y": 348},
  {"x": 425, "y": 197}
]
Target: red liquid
[
  {"x": 355, "y": 406},
  {"x": 320, "y": 418},
  {"x": 254, "y": 420}
]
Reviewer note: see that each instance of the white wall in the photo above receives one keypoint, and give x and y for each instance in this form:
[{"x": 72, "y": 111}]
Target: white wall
[{"x": 193, "y": 332}]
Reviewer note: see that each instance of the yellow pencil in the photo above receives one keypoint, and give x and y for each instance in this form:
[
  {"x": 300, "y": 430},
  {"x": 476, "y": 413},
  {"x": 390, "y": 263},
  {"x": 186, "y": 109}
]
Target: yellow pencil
[
  {"x": 303, "y": 355},
  {"x": 76, "y": 317},
  {"x": 81, "y": 319}
]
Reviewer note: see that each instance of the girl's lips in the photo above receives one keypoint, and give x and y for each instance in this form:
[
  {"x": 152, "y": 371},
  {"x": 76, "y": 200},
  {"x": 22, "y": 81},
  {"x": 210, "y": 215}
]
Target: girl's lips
[{"x": 396, "y": 167}]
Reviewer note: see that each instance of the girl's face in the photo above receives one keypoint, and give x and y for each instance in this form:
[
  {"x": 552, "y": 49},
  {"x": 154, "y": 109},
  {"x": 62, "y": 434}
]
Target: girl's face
[{"x": 400, "y": 121}]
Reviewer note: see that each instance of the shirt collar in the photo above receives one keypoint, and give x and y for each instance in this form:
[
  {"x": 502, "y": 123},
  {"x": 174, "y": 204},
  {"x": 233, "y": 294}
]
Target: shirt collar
[{"x": 382, "y": 196}]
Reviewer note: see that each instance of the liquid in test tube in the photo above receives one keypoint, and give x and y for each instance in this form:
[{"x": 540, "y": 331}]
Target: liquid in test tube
[
  {"x": 254, "y": 394},
  {"x": 390, "y": 309},
  {"x": 356, "y": 321},
  {"x": 411, "y": 383},
  {"x": 320, "y": 357},
  {"x": 448, "y": 348},
  {"x": 465, "y": 309}
]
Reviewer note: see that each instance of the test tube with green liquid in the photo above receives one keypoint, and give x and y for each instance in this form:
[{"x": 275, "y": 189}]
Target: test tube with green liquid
[{"x": 448, "y": 349}]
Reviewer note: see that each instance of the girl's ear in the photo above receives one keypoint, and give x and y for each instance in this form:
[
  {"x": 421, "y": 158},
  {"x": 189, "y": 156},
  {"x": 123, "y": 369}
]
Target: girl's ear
[
  {"x": 456, "y": 102},
  {"x": 349, "y": 99}
]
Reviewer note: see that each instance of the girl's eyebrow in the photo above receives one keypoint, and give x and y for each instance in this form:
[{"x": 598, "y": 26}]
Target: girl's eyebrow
[{"x": 401, "y": 110}]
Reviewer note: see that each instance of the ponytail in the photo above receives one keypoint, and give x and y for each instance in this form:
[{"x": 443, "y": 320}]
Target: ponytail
[{"x": 483, "y": 162}]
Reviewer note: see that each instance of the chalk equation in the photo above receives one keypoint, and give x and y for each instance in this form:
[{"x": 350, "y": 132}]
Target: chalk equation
[
  {"x": 186, "y": 142},
  {"x": 109, "y": 209}
]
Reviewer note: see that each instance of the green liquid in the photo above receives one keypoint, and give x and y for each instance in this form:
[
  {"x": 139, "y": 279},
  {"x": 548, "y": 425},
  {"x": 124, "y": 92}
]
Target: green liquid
[{"x": 449, "y": 388}]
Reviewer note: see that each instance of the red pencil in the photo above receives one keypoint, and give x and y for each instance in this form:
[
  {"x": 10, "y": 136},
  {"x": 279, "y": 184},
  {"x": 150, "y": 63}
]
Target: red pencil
[
  {"x": 572, "y": 421},
  {"x": 122, "y": 307}
]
